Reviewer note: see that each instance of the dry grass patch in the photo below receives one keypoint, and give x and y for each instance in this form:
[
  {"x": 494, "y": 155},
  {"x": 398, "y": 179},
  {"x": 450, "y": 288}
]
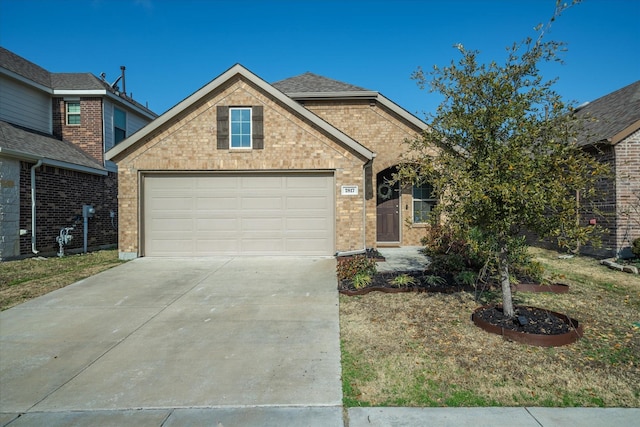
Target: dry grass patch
[
  {"x": 423, "y": 349},
  {"x": 29, "y": 278}
]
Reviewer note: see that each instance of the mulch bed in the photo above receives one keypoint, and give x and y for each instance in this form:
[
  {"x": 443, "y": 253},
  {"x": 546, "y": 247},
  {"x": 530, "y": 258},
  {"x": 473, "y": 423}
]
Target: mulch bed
[
  {"x": 527, "y": 319},
  {"x": 382, "y": 282}
]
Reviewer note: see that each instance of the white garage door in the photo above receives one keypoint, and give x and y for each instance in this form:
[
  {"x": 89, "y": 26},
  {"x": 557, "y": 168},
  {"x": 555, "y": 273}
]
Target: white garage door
[{"x": 239, "y": 214}]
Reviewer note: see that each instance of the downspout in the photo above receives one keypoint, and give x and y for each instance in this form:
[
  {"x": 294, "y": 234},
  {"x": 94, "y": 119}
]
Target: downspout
[
  {"x": 33, "y": 206},
  {"x": 364, "y": 201}
]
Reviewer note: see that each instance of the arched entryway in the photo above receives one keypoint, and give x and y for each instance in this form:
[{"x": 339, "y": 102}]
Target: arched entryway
[{"x": 387, "y": 207}]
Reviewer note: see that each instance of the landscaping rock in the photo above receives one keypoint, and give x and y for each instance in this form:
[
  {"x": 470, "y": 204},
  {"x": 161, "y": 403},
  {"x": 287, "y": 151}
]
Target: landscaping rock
[{"x": 612, "y": 265}]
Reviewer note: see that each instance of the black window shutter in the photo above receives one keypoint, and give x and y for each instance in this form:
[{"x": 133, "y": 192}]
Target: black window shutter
[
  {"x": 223, "y": 127},
  {"x": 258, "y": 127}
]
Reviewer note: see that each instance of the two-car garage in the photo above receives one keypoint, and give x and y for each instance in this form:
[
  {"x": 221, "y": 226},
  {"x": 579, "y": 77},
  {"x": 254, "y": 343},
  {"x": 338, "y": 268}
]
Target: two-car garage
[{"x": 244, "y": 213}]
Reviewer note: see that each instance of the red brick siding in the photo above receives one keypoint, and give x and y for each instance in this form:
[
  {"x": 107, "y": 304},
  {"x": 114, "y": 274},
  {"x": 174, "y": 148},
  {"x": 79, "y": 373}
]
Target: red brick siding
[
  {"x": 88, "y": 135},
  {"x": 60, "y": 194}
]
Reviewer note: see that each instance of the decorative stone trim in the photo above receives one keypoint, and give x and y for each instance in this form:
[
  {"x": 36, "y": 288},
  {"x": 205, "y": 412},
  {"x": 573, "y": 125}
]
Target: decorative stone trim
[{"x": 612, "y": 264}]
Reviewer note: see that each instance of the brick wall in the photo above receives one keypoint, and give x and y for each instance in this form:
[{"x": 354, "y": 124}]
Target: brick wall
[
  {"x": 89, "y": 134},
  {"x": 627, "y": 164},
  {"x": 9, "y": 207},
  {"x": 60, "y": 195},
  {"x": 384, "y": 133},
  {"x": 618, "y": 201},
  {"x": 189, "y": 144}
]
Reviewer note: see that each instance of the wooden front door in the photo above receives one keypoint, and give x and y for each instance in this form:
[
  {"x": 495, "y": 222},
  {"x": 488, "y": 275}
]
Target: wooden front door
[{"x": 388, "y": 208}]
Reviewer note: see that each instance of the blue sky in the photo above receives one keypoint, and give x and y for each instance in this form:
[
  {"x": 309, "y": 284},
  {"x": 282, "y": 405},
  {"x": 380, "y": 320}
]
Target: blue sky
[{"x": 171, "y": 48}]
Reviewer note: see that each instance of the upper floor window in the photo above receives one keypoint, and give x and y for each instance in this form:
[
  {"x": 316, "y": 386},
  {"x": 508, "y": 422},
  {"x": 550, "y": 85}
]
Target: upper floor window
[
  {"x": 119, "y": 125},
  {"x": 423, "y": 202},
  {"x": 240, "y": 127},
  {"x": 73, "y": 112},
  {"x": 240, "y": 122}
]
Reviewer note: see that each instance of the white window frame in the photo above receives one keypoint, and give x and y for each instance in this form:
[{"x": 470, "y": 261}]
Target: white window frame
[
  {"x": 68, "y": 114},
  {"x": 231, "y": 133},
  {"x": 117, "y": 127},
  {"x": 430, "y": 200}
]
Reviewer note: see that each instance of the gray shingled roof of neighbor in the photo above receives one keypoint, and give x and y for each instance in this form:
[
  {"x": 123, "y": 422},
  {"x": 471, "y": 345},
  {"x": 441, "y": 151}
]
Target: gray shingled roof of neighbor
[
  {"x": 309, "y": 82},
  {"x": 22, "y": 143},
  {"x": 612, "y": 117},
  {"x": 59, "y": 81},
  {"x": 77, "y": 81},
  {"x": 26, "y": 69}
]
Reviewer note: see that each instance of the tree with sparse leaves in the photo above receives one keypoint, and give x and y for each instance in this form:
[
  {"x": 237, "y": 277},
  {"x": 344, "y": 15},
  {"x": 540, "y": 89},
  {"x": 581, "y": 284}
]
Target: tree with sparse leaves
[{"x": 506, "y": 158}]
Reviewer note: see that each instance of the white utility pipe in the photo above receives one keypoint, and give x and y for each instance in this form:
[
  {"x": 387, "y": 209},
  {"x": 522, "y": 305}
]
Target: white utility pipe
[{"x": 33, "y": 205}]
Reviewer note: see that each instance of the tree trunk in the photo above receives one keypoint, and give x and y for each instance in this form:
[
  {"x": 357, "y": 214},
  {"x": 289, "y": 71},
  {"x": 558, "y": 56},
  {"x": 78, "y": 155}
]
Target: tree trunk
[{"x": 507, "y": 299}]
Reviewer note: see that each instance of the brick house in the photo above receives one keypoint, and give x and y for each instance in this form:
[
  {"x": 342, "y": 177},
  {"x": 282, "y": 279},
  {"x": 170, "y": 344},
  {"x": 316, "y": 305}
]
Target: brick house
[
  {"x": 612, "y": 133},
  {"x": 54, "y": 131},
  {"x": 244, "y": 167}
]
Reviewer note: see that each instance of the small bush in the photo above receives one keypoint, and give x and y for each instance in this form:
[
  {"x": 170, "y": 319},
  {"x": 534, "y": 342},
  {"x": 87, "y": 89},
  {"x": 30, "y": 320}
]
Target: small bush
[
  {"x": 361, "y": 280},
  {"x": 403, "y": 280},
  {"x": 349, "y": 267},
  {"x": 529, "y": 269},
  {"x": 466, "y": 278},
  {"x": 635, "y": 248}
]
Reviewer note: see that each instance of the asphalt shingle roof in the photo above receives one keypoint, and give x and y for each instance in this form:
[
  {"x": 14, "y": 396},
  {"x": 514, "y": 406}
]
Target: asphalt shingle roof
[
  {"x": 26, "y": 69},
  {"x": 78, "y": 81},
  {"x": 612, "y": 113},
  {"x": 21, "y": 140},
  {"x": 69, "y": 81},
  {"x": 309, "y": 82}
]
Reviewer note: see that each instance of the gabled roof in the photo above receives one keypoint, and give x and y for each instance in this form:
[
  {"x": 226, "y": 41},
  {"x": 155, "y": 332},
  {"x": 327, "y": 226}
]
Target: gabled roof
[
  {"x": 63, "y": 83},
  {"x": 24, "y": 68},
  {"x": 21, "y": 143},
  {"x": 231, "y": 73},
  {"x": 309, "y": 86},
  {"x": 77, "y": 81},
  {"x": 309, "y": 82},
  {"x": 615, "y": 116}
]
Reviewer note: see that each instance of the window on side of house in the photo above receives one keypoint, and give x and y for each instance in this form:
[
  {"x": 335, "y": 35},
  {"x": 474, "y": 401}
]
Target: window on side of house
[
  {"x": 240, "y": 127},
  {"x": 119, "y": 125},
  {"x": 72, "y": 109},
  {"x": 423, "y": 202}
]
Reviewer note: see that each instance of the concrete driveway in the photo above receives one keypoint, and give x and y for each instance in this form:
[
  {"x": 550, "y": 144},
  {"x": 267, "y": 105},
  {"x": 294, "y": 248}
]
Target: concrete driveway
[{"x": 174, "y": 341}]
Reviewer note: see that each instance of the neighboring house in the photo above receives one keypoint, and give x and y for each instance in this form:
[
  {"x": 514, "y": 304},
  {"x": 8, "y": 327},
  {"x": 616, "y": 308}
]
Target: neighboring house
[
  {"x": 54, "y": 131},
  {"x": 244, "y": 167},
  {"x": 612, "y": 133}
]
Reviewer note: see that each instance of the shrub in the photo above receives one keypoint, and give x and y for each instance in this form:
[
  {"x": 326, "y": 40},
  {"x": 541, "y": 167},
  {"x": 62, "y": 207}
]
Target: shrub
[
  {"x": 403, "y": 280},
  {"x": 635, "y": 248},
  {"x": 349, "y": 267},
  {"x": 529, "y": 269},
  {"x": 361, "y": 280},
  {"x": 466, "y": 278}
]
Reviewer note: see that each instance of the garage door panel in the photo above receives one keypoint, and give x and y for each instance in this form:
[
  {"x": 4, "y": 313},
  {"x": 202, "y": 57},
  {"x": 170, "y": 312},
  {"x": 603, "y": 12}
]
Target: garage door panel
[
  {"x": 262, "y": 203},
  {"x": 257, "y": 246},
  {"x": 221, "y": 181},
  {"x": 167, "y": 203},
  {"x": 173, "y": 224},
  {"x": 236, "y": 214},
  {"x": 307, "y": 203},
  {"x": 266, "y": 182},
  {"x": 271, "y": 226},
  {"x": 204, "y": 225},
  {"x": 215, "y": 202}
]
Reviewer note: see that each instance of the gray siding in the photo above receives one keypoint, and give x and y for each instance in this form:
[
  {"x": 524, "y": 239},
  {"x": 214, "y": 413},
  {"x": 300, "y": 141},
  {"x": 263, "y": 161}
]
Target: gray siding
[{"x": 25, "y": 106}]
